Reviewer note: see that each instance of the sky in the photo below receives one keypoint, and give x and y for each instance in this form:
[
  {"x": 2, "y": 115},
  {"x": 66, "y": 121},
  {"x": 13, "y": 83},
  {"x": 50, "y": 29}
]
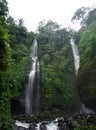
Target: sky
[{"x": 35, "y": 11}]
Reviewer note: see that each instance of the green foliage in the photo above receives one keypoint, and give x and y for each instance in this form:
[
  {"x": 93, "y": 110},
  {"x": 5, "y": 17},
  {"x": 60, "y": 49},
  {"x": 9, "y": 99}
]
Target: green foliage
[
  {"x": 4, "y": 96},
  {"x": 18, "y": 33},
  {"x": 80, "y": 14},
  {"x": 15, "y": 41},
  {"x": 56, "y": 77},
  {"x": 17, "y": 76},
  {"x": 57, "y": 70},
  {"x": 47, "y": 31},
  {"x": 4, "y": 48},
  {"x": 84, "y": 125},
  {"x": 86, "y": 80},
  {"x": 91, "y": 17},
  {"x": 3, "y": 11},
  {"x": 5, "y": 61},
  {"x": 19, "y": 52},
  {"x": 20, "y": 41}
]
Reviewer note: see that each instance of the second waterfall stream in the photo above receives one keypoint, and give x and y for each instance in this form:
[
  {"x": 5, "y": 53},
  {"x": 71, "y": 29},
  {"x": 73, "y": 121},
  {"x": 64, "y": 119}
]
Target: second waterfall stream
[
  {"x": 76, "y": 65},
  {"x": 31, "y": 78}
]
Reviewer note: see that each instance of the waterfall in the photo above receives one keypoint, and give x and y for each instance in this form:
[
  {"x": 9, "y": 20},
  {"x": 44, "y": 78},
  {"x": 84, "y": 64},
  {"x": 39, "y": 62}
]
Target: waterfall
[
  {"x": 35, "y": 70},
  {"x": 31, "y": 78},
  {"x": 76, "y": 65},
  {"x": 75, "y": 55},
  {"x": 37, "y": 97}
]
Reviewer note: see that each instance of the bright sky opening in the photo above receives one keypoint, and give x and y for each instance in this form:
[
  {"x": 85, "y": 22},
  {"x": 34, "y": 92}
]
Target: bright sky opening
[{"x": 34, "y": 11}]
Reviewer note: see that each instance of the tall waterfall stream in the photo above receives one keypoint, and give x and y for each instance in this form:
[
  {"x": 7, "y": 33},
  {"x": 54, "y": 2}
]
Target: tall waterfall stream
[
  {"x": 30, "y": 85},
  {"x": 76, "y": 65},
  {"x": 51, "y": 125}
]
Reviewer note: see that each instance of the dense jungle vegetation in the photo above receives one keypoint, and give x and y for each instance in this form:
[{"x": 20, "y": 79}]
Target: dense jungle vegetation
[
  {"x": 86, "y": 79},
  {"x": 15, "y": 42},
  {"x": 58, "y": 80},
  {"x": 57, "y": 68}
]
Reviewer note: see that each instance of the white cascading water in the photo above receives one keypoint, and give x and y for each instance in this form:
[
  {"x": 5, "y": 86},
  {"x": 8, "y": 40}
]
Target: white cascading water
[
  {"x": 49, "y": 126},
  {"x": 52, "y": 126},
  {"x": 30, "y": 85},
  {"x": 76, "y": 56},
  {"x": 76, "y": 65},
  {"x": 29, "y": 91},
  {"x": 37, "y": 98}
]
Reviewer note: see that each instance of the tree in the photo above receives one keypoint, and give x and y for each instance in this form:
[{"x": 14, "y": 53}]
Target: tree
[
  {"x": 20, "y": 21},
  {"x": 57, "y": 70},
  {"x": 5, "y": 60},
  {"x": 47, "y": 31},
  {"x": 80, "y": 14},
  {"x": 91, "y": 17},
  {"x": 87, "y": 71},
  {"x": 3, "y": 11}
]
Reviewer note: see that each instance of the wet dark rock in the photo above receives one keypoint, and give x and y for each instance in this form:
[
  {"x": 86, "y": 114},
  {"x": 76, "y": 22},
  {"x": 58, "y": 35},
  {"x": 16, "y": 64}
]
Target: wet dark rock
[
  {"x": 64, "y": 123},
  {"x": 91, "y": 119},
  {"x": 63, "y": 126},
  {"x": 32, "y": 126},
  {"x": 43, "y": 126},
  {"x": 72, "y": 123},
  {"x": 19, "y": 128},
  {"x": 67, "y": 123}
]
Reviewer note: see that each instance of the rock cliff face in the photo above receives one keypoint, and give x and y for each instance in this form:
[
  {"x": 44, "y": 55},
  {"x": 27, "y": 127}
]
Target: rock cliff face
[
  {"x": 86, "y": 78},
  {"x": 86, "y": 83}
]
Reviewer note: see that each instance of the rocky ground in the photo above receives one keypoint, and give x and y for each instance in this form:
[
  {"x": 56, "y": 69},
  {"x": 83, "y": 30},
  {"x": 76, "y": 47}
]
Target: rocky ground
[{"x": 76, "y": 122}]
